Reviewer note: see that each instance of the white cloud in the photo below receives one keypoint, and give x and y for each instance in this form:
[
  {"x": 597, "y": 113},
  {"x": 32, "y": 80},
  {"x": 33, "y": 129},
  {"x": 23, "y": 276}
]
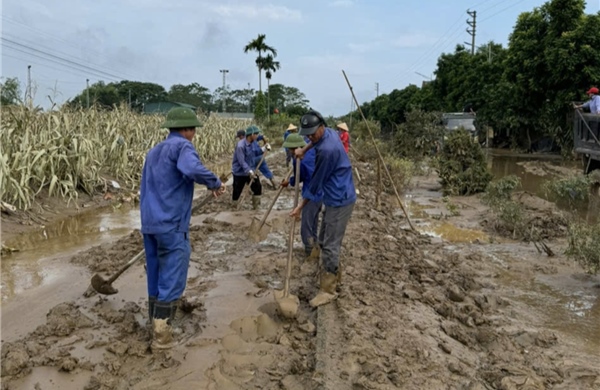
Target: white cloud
[
  {"x": 270, "y": 12},
  {"x": 413, "y": 40},
  {"x": 342, "y": 3}
]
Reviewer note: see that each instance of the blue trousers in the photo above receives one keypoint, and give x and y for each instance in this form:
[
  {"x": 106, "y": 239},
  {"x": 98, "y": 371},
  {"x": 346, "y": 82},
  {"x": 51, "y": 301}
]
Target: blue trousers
[
  {"x": 264, "y": 169},
  {"x": 167, "y": 261},
  {"x": 310, "y": 224}
]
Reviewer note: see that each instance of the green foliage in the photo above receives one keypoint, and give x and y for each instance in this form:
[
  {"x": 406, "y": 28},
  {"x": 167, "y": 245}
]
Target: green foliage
[
  {"x": 462, "y": 165},
  {"x": 523, "y": 91},
  {"x": 260, "y": 108},
  {"x": 584, "y": 246},
  {"x": 499, "y": 191},
  {"x": 575, "y": 189},
  {"x": 419, "y": 135},
  {"x": 10, "y": 92}
]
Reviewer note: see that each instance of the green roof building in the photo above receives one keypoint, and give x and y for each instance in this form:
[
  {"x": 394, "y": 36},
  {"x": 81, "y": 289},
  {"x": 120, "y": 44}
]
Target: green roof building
[{"x": 164, "y": 107}]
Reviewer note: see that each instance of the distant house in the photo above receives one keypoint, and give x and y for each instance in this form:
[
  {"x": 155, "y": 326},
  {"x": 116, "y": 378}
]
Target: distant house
[{"x": 164, "y": 107}]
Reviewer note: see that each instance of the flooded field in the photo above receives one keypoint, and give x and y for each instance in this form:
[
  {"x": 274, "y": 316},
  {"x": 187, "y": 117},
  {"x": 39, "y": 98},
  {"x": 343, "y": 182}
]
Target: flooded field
[{"x": 453, "y": 305}]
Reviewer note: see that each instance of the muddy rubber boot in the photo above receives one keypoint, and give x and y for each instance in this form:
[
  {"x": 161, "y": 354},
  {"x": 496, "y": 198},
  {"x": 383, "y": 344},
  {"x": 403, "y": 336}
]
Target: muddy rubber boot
[
  {"x": 151, "y": 303},
  {"x": 255, "y": 202},
  {"x": 174, "y": 320},
  {"x": 315, "y": 253},
  {"x": 273, "y": 184},
  {"x": 326, "y": 292},
  {"x": 163, "y": 332}
]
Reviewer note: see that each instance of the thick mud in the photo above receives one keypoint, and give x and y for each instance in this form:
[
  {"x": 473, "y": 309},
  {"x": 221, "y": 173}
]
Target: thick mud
[{"x": 415, "y": 310}]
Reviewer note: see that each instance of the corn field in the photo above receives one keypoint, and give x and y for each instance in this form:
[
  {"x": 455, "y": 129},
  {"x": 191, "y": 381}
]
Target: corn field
[{"x": 70, "y": 152}]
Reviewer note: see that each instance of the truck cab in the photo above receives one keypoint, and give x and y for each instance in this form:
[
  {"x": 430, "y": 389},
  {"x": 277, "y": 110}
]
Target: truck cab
[{"x": 455, "y": 120}]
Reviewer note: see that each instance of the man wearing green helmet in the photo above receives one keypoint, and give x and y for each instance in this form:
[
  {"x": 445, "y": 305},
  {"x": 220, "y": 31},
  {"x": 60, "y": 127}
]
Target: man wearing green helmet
[
  {"x": 242, "y": 167},
  {"x": 167, "y": 188}
]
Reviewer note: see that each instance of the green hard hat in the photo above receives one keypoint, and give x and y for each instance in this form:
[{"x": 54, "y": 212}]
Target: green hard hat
[
  {"x": 181, "y": 117},
  {"x": 294, "y": 140},
  {"x": 252, "y": 130}
]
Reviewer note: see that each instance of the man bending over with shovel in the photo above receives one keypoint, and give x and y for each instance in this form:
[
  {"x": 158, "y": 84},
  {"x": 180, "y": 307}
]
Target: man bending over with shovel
[
  {"x": 332, "y": 176},
  {"x": 167, "y": 188},
  {"x": 311, "y": 210}
]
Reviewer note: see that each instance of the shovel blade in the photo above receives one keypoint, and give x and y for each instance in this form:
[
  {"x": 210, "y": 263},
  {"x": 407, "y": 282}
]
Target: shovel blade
[
  {"x": 288, "y": 305},
  {"x": 257, "y": 234},
  {"x": 102, "y": 286}
]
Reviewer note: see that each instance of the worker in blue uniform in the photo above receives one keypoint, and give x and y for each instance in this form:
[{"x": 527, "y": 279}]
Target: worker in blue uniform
[
  {"x": 167, "y": 188},
  {"x": 310, "y": 212},
  {"x": 243, "y": 167},
  {"x": 332, "y": 176}
]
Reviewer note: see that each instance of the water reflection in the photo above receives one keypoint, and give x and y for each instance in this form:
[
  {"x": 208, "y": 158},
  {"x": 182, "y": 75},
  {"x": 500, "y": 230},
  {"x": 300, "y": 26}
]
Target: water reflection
[{"x": 29, "y": 267}]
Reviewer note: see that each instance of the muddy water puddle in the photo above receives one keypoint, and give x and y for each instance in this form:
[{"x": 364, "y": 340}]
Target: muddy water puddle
[{"x": 32, "y": 265}]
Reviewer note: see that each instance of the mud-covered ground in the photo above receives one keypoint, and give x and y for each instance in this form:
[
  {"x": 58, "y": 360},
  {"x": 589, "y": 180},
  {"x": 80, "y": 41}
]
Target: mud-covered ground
[{"x": 415, "y": 311}]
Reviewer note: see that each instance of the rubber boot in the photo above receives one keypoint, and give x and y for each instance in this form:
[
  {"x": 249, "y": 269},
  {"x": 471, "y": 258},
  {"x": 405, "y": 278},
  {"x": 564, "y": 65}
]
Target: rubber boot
[
  {"x": 272, "y": 184},
  {"x": 151, "y": 303},
  {"x": 315, "y": 253},
  {"x": 255, "y": 202},
  {"x": 174, "y": 320},
  {"x": 163, "y": 332},
  {"x": 326, "y": 292}
]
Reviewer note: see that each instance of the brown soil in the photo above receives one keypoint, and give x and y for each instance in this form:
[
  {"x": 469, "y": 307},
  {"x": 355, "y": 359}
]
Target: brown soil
[{"x": 413, "y": 312}]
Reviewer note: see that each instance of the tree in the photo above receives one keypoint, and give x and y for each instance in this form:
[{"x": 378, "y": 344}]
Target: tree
[
  {"x": 287, "y": 99},
  {"x": 259, "y": 45},
  {"x": 10, "y": 92},
  {"x": 194, "y": 94},
  {"x": 113, "y": 94},
  {"x": 270, "y": 66}
]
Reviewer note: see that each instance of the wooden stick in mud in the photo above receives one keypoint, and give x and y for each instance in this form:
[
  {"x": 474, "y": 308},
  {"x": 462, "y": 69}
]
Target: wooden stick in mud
[
  {"x": 379, "y": 154},
  {"x": 379, "y": 186}
]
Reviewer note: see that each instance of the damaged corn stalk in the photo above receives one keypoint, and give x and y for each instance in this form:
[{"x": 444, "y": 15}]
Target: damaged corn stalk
[{"x": 68, "y": 152}]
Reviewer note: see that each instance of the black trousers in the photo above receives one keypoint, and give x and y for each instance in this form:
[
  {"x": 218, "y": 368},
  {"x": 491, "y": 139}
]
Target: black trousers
[{"x": 240, "y": 181}]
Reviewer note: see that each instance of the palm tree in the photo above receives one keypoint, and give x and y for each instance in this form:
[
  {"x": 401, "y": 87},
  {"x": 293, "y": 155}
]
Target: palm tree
[
  {"x": 259, "y": 45},
  {"x": 270, "y": 66}
]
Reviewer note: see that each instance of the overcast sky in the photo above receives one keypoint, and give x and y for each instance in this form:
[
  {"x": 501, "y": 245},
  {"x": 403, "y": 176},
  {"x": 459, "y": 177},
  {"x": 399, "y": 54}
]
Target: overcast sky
[{"x": 183, "y": 41}]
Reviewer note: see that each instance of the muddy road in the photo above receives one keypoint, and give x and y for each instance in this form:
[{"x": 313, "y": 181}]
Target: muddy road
[{"x": 453, "y": 306}]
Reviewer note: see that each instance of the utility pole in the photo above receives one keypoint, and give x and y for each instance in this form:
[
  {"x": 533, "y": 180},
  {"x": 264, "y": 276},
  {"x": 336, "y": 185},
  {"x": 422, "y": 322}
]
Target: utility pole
[
  {"x": 249, "y": 98},
  {"x": 377, "y": 88},
  {"x": 29, "y": 84},
  {"x": 472, "y": 31},
  {"x": 87, "y": 90},
  {"x": 224, "y": 71}
]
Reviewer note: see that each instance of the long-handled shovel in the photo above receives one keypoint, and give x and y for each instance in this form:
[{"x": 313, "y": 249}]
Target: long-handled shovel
[
  {"x": 256, "y": 228},
  {"x": 246, "y": 189},
  {"x": 288, "y": 303}
]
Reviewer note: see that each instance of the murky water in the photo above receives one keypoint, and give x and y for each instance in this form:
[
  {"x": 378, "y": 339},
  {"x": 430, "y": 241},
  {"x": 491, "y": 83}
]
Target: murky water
[{"x": 32, "y": 265}]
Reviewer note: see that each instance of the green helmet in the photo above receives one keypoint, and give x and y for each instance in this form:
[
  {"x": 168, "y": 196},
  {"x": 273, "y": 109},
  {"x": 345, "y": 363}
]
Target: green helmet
[
  {"x": 252, "y": 130},
  {"x": 294, "y": 140},
  {"x": 180, "y": 117}
]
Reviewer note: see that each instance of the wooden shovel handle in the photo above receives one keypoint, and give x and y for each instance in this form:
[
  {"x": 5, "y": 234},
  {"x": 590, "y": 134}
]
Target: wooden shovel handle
[
  {"x": 288, "y": 273},
  {"x": 264, "y": 219}
]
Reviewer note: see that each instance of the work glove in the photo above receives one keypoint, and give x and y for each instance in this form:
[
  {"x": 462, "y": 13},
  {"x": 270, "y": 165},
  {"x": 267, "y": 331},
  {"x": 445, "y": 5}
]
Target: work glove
[
  {"x": 265, "y": 140},
  {"x": 268, "y": 147},
  {"x": 263, "y": 148},
  {"x": 251, "y": 173}
]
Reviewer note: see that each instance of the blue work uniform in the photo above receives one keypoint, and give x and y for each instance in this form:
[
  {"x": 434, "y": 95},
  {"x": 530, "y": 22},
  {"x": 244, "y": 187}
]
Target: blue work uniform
[
  {"x": 288, "y": 154},
  {"x": 263, "y": 168},
  {"x": 333, "y": 177},
  {"x": 244, "y": 161},
  {"x": 310, "y": 212},
  {"x": 167, "y": 188},
  {"x": 593, "y": 104}
]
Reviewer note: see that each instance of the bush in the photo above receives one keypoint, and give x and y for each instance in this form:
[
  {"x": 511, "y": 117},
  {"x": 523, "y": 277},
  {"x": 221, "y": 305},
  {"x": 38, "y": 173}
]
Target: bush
[
  {"x": 419, "y": 136},
  {"x": 575, "y": 189},
  {"x": 501, "y": 190},
  {"x": 584, "y": 246},
  {"x": 462, "y": 165}
]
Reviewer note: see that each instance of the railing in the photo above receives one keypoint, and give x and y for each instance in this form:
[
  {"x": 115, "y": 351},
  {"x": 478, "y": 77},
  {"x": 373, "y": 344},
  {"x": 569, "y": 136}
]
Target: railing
[{"x": 586, "y": 133}]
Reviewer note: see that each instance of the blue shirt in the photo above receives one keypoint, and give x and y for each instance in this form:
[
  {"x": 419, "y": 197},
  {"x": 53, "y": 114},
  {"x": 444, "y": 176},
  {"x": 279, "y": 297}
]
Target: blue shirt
[
  {"x": 593, "y": 104},
  {"x": 243, "y": 159},
  {"x": 307, "y": 168},
  {"x": 333, "y": 172},
  {"x": 167, "y": 185}
]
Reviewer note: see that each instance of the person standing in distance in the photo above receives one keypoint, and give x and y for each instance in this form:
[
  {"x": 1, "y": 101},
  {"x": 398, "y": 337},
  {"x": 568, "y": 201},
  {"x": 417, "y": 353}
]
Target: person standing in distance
[
  {"x": 167, "y": 188},
  {"x": 333, "y": 177}
]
